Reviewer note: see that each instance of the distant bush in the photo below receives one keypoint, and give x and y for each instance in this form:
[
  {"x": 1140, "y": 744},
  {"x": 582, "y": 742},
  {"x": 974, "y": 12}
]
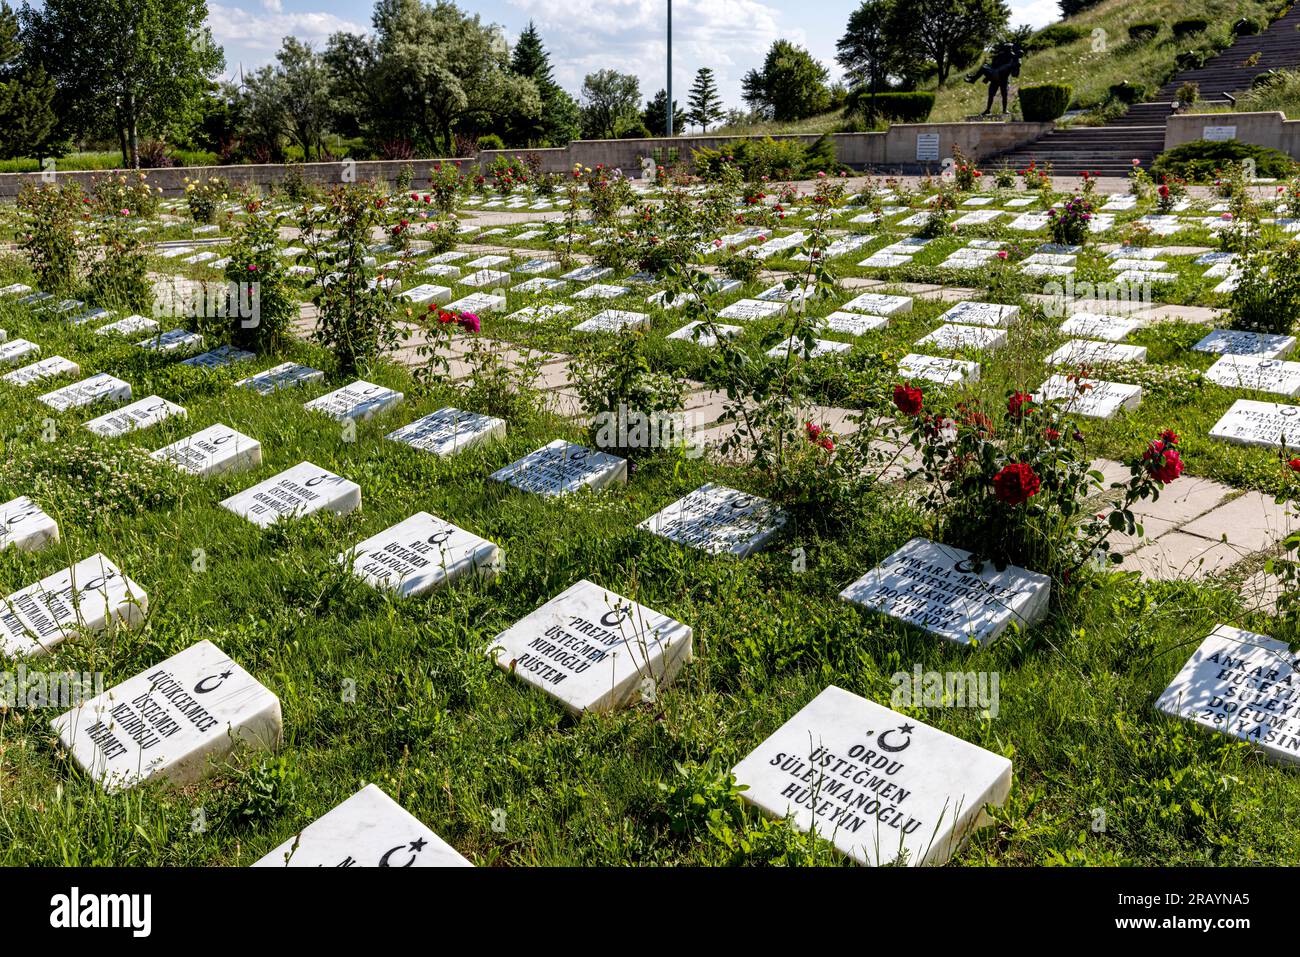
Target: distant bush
[
  {"x": 1143, "y": 32},
  {"x": 1191, "y": 59},
  {"x": 776, "y": 159},
  {"x": 1202, "y": 160},
  {"x": 1190, "y": 26},
  {"x": 490, "y": 141},
  {"x": 1126, "y": 92},
  {"x": 899, "y": 107},
  {"x": 633, "y": 128},
  {"x": 1045, "y": 102},
  {"x": 1056, "y": 35}
]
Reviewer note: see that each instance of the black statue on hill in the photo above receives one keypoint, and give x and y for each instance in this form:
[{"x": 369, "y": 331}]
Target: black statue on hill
[{"x": 997, "y": 73}]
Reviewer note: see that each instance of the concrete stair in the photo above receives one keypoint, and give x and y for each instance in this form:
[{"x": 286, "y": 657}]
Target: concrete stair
[{"x": 1140, "y": 132}]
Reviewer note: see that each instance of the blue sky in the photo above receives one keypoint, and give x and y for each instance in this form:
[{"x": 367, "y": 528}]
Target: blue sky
[{"x": 731, "y": 36}]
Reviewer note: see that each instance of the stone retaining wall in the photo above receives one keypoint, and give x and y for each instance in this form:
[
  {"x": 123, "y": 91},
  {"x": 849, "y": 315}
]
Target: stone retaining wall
[{"x": 894, "y": 150}]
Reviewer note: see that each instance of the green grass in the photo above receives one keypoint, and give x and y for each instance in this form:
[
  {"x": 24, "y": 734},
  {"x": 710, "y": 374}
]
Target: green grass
[{"x": 454, "y": 739}]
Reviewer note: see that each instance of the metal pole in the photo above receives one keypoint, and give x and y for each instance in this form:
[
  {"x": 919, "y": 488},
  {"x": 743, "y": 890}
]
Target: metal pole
[{"x": 670, "y": 67}]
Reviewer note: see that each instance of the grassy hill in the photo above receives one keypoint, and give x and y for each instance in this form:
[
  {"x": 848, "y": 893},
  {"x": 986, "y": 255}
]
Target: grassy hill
[{"x": 1090, "y": 64}]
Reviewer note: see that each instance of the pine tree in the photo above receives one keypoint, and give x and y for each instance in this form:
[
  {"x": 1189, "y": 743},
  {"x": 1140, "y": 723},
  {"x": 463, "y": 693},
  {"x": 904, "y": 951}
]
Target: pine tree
[
  {"x": 560, "y": 117},
  {"x": 705, "y": 104},
  {"x": 655, "y": 115}
]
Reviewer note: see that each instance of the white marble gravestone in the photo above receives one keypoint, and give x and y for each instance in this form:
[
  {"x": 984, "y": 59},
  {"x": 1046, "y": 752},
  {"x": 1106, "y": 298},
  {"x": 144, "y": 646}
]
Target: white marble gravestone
[
  {"x": 745, "y": 310},
  {"x": 561, "y": 467},
  {"x": 794, "y": 345},
  {"x": 1242, "y": 684},
  {"x": 172, "y": 721},
  {"x": 426, "y": 293},
  {"x": 216, "y": 450},
  {"x": 937, "y": 369},
  {"x": 85, "y": 598},
  {"x": 1249, "y": 372},
  {"x": 1101, "y": 400},
  {"x": 951, "y": 338},
  {"x": 601, "y": 290},
  {"x": 449, "y": 430},
  {"x": 1249, "y": 422},
  {"x": 1088, "y": 351},
  {"x": 478, "y": 303},
  {"x": 286, "y": 375},
  {"x": 420, "y": 554},
  {"x": 613, "y": 320},
  {"x": 40, "y": 370},
  {"x": 718, "y": 520},
  {"x": 853, "y": 324},
  {"x": 356, "y": 402},
  {"x": 217, "y": 358},
  {"x": 16, "y": 350},
  {"x": 882, "y": 787},
  {"x": 98, "y": 388},
  {"x": 141, "y": 414},
  {"x": 981, "y": 314},
  {"x": 1258, "y": 345},
  {"x": 369, "y": 829},
  {"x": 935, "y": 587},
  {"x": 1093, "y": 325},
  {"x": 879, "y": 304},
  {"x": 295, "y": 493},
  {"x": 594, "y": 650},
  {"x": 25, "y": 526},
  {"x": 707, "y": 339},
  {"x": 175, "y": 340},
  {"x": 130, "y": 326}
]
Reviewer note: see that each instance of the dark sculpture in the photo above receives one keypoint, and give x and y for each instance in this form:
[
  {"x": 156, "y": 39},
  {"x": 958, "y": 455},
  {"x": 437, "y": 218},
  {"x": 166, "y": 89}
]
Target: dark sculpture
[{"x": 997, "y": 73}]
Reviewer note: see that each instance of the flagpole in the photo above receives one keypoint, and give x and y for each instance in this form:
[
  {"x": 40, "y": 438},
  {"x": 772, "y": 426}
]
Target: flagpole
[{"x": 670, "y": 68}]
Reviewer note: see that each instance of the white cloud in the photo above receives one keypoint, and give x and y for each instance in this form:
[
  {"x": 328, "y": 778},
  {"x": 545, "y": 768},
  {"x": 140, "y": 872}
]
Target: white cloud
[
  {"x": 731, "y": 36},
  {"x": 252, "y": 38}
]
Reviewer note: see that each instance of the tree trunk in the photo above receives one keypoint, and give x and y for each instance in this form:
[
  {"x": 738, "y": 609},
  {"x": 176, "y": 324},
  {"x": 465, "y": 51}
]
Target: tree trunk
[{"x": 132, "y": 131}]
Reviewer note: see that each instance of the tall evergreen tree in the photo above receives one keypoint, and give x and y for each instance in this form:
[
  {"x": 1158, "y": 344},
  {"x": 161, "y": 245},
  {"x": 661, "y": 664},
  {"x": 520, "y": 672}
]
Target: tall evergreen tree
[
  {"x": 27, "y": 118},
  {"x": 560, "y": 118},
  {"x": 705, "y": 104},
  {"x": 655, "y": 115}
]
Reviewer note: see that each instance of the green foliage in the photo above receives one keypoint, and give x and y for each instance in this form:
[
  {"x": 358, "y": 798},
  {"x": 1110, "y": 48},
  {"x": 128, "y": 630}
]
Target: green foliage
[
  {"x": 773, "y": 158},
  {"x": 1045, "y": 101},
  {"x": 705, "y": 106},
  {"x": 913, "y": 107},
  {"x": 609, "y": 99},
  {"x": 1056, "y": 35},
  {"x": 655, "y": 115},
  {"x": 1189, "y": 26},
  {"x": 50, "y": 240},
  {"x": 356, "y": 315},
  {"x": 259, "y": 284},
  {"x": 615, "y": 384},
  {"x": 791, "y": 84},
  {"x": 1143, "y": 32},
  {"x": 119, "y": 276},
  {"x": 490, "y": 141},
  {"x": 1202, "y": 161},
  {"x": 1267, "y": 294}
]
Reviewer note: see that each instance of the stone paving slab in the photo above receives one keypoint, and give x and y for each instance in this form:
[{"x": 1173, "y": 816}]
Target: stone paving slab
[{"x": 1252, "y": 522}]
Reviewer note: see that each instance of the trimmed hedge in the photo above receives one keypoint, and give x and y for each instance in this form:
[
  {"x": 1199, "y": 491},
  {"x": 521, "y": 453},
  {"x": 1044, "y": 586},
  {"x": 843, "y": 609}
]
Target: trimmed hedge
[
  {"x": 1190, "y": 26},
  {"x": 1143, "y": 32},
  {"x": 903, "y": 107},
  {"x": 1201, "y": 161},
  {"x": 1126, "y": 92},
  {"x": 1056, "y": 35},
  {"x": 1045, "y": 101}
]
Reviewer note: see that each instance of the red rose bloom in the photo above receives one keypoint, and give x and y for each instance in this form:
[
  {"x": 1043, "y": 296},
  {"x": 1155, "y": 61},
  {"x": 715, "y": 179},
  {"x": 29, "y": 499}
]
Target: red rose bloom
[
  {"x": 1019, "y": 405},
  {"x": 1163, "y": 462},
  {"x": 1294, "y": 465},
  {"x": 1016, "y": 484},
  {"x": 1052, "y": 435},
  {"x": 907, "y": 399}
]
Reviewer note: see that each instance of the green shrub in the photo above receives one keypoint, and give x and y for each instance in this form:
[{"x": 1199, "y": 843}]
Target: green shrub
[
  {"x": 1126, "y": 92},
  {"x": 1267, "y": 295},
  {"x": 1190, "y": 26},
  {"x": 1247, "y": 27},
  {"x": 776, "y": 159},
  {"x": 1055, "y": 35},
  {"x": 490, "y": 141},
  {"x": 1143, "y": 32},
  {"x": 1045, "y": 102},
  {"x": 1202, "y": 160},
  {"x": 904, "y": 107},
  {"x": 632, "y": 128},
  {"x": 1191, "y": 59}
]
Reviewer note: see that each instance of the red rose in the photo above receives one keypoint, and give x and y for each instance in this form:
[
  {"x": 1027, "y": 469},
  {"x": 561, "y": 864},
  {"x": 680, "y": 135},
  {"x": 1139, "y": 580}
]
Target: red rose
[
  {"x": 1052, "y": 435},
  {"x": 908, "y": 400},
  {"x": 1294, "y": 465},
  {"x": 1016, "y": 484},
  {"x": 1163, "y": 462},
  {"x": 1019, "y": 405},
  {"x": 1169, "y": 437}
]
